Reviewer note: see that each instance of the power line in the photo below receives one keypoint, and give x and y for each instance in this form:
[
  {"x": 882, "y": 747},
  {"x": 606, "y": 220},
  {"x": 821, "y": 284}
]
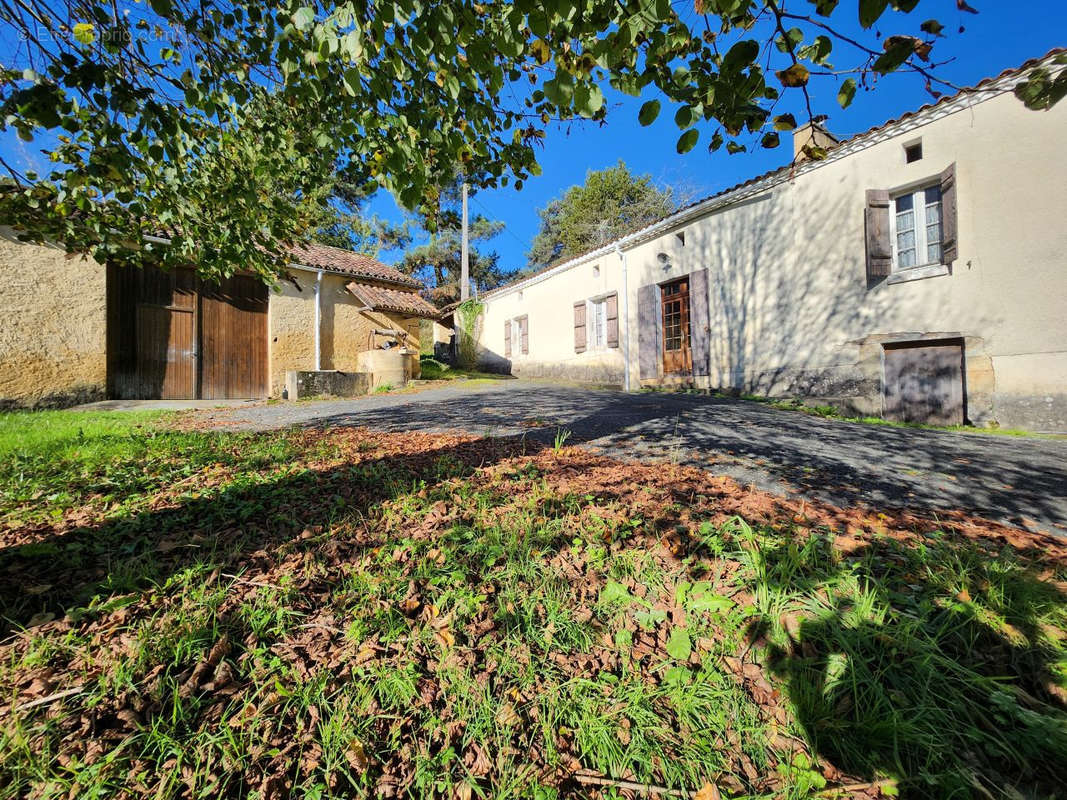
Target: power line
[{"x": 507, "y": 230}]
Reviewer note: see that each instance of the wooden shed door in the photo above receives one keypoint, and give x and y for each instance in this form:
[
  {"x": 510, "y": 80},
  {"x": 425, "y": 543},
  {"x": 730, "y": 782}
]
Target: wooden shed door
[
  {"x": 677, "y": 355},
  {"x": 924, "y": 382},
  {"x": 233, "y": 339},
  {"x": 164, "y": 311}
]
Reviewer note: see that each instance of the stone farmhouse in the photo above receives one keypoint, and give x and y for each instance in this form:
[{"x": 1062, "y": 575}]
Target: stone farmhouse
[{"x": 918, "y": 271}]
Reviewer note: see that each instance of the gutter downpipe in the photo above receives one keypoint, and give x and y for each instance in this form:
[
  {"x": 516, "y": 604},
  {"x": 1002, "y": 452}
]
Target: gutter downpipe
[
  {"x": 318, "y": 320},
  {"x": 626, "y": 322}
]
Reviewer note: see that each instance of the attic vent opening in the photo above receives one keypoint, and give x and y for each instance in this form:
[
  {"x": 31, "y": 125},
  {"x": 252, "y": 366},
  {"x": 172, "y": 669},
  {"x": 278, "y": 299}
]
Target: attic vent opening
[
  {"x": 913, "y": 152},
  {"x": 596, "y": 270},
  {"x": 680, "y": 236}
]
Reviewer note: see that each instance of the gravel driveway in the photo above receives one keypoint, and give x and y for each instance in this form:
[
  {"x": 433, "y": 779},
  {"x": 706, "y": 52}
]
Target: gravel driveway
[{"x": 1018, "y": 480}]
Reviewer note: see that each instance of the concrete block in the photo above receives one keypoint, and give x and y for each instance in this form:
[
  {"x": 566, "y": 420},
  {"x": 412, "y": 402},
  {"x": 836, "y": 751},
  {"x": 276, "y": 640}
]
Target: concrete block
[{"x": 301, "y": 384}]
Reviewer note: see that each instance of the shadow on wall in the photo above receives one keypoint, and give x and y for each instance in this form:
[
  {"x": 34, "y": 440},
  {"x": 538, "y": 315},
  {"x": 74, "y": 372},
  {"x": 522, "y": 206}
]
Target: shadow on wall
[
  {"x": 789, "y": 313},
  {"x": 574, "y": 370}
]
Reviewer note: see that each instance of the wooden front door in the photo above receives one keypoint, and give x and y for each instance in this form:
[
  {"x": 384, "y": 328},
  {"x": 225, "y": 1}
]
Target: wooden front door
[
  {"x": 923, "y": 382},
  {"x": 233, "y": 339},
  {"x": 674, "y": 302},
  {"x": 172, "y": 338}
]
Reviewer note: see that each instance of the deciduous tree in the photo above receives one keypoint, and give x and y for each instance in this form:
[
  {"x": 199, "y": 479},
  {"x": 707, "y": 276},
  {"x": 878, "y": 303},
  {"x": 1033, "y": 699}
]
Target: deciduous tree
[
  {"x": 136, "y": 103},
  {"x": 611, "y": 203}
]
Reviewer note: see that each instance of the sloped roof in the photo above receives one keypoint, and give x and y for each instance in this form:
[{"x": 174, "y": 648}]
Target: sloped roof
[
  {"x": 782, "y": 172},
  {"x": 335, "y": 259},
  {"x": 380, "y": 298}
]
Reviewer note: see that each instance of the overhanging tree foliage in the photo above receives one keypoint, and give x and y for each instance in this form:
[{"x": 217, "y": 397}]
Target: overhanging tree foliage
[
  {"x": 136, "y": 104},
  {"x": 611, "y": 203}
]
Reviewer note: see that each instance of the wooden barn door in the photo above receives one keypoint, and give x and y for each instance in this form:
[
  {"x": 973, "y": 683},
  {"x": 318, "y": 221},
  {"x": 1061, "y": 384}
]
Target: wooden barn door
[
  {"x": 923, "y": 382},
  {"x": 233, "y": 339},
  {"x": 151, "y": 333},
  {"x": 172, "y": 338}
]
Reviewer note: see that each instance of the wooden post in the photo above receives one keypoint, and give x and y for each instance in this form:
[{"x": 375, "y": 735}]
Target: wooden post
[{"x": 464, "y": 279}]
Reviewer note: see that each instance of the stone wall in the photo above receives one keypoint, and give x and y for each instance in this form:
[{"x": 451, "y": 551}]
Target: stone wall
[
  {"x": 53, "y": 324},
  {"x": 345, "y": 329}
]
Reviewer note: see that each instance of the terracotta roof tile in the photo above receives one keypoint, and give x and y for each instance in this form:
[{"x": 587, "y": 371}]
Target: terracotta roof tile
[
  {"x": 381, "y": 298},
  {"x": 334, "y": 258}
]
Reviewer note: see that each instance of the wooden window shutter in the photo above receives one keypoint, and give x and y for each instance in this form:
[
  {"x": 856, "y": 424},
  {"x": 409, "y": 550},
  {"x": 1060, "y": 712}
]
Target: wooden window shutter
[
  {"x": 611, "y": 313},
  {"x": 579, "y": 327},
  {"x": 524, "y": 333},
  {"x": 876, "y": 225},
  {"x": 648, "y": 315},
  {"x": 507, "y": 338},
  {"x": 700, "y": 321},
  {"x": 948, "y": 214}
]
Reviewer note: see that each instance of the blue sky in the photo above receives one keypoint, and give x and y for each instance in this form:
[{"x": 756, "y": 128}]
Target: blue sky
[{"x": 1004, "y": 34}]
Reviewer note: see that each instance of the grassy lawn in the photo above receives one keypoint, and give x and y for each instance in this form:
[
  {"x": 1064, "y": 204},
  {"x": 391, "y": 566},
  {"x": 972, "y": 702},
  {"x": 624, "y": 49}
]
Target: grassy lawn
[
  {"x": 434, "y": 370},
  {"x": 340, "y": 613},
  {"x": 832, "y": 412}
]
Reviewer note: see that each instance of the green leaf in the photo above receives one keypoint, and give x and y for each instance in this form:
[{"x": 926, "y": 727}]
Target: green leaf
[
  {"x": 785, "y": 122},
  {"x": 560, "y": 89},
  {"x": 789, "y": 42},
  {"x": 650, "y": 619},
  {"x": 818, "y": 50},
  {"x": 684, "y": 117},
  {"x": 846, "y": 92},
  {"x": 897, "y": 51},
  {"x": 84, "y": 33},
  {"x": 677, "y": 676},
  {"x": 740, "y": 55},
  {"x": 687, "y": 141},
  {"x": 871, "y": 10},
  {"x": 304, "y": 18},
  {"x": 648, "y": 113},
  {"x": 704, "y": 600},
  {"x": 588, "y": 99},
  {"x": 615, "y": 592},
  {"x": 679, "y": 645}
]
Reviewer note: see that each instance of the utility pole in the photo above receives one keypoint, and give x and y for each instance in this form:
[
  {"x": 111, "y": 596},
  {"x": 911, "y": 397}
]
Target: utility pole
[{"x": 464, "y": 257}]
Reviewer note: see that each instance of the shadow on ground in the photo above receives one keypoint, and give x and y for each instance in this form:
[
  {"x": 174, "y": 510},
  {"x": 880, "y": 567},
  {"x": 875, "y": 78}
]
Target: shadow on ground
[
  {"x": 1021, "y": 481},
  {"x": 931, "y": 677}
]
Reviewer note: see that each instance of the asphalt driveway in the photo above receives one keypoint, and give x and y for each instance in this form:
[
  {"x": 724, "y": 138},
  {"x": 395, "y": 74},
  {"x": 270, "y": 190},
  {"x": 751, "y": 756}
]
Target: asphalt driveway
[{"x": 1018, "y": 480}]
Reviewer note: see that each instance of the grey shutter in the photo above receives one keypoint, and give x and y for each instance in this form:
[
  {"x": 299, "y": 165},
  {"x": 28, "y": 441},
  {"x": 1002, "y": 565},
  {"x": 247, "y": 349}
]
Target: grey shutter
[
  {"x": 507, "y": 338},
  {"x": 648, "y": 331},
  {"x": 524, "y": 333},
  {"x": 579, "y": 327},
  {"x": 876, "y": 224},
  {"x": 611, "y": 310},
  {"x": 948, "y": 214},
  {"x": 699, "y": 321}
]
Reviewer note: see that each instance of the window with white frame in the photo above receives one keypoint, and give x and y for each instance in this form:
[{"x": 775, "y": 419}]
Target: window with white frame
[
  {"x": 916, "y": 228},
  {"x": 598, "y": 323}
]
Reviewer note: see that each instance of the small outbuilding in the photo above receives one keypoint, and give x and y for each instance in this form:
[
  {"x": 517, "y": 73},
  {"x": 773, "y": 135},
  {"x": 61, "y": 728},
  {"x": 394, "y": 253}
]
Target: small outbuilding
[{"x": 73, "y": 330}]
